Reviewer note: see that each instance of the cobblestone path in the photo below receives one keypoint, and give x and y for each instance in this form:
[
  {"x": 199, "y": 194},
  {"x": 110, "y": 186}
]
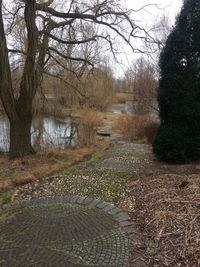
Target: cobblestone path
[
  {"x": 50, "y": 229},
  {"x": 70, "y": 232}
]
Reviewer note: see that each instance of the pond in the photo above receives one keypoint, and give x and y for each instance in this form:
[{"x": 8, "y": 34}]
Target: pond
[
  {"x": 126, "y": 107},
  {"x": 46, "y": 132}
]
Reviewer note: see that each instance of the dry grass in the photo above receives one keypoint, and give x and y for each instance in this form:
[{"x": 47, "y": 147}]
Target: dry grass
[
  {"x": 45, "y": 163},
  {"x": 89, "y": 123},
  {"x": 136, "y": 128},
  {"x": 131, "y": 127},
  {"x": 167, "y": 212}
]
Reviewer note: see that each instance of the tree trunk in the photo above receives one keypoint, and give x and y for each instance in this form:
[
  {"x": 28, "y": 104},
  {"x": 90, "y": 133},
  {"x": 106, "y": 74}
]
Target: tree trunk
[{"x": 20, "y": 138}]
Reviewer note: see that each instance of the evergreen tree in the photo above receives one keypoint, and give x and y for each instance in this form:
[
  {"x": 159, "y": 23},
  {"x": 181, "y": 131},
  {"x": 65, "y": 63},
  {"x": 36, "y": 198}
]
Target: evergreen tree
[{"x": 178, "y": 138}]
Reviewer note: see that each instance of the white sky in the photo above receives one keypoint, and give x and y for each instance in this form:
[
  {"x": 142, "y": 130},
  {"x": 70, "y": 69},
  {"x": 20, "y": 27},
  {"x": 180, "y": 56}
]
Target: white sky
[
  {"x": 146, "y": 18},
  {"x": 156, "y": 7}
]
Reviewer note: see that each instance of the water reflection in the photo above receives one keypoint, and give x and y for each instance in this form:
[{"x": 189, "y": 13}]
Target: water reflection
[{"x": 46, "y": 132}]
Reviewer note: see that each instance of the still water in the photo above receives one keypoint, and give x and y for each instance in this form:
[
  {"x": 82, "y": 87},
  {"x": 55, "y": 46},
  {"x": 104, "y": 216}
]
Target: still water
[{"x": 46, "y": 132}]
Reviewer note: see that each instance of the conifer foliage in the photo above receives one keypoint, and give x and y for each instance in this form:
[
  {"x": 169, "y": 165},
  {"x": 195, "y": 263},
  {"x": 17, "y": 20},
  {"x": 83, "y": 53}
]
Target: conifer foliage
[{"x": 178, "y": 138}]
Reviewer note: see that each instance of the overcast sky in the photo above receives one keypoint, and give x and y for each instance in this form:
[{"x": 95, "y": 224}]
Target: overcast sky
[
  {"x": 147, "y": 17},
  {"x": 156, "y": 7}
]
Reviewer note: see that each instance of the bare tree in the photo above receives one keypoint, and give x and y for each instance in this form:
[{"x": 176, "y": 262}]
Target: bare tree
[
  {"x": 48, "y": 28},
  {"x": 160, "y": 31},
  {"x": 140, "y": 78}
]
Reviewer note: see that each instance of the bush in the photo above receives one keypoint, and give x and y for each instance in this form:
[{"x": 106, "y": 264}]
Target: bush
[
  {"x": 135, "y": 128},
  {"x": 173, "y": 146},
  {"x": 151, "y": 130},
  {"x": 87, "y": 127},
  {"x": 178, "y": 146}
]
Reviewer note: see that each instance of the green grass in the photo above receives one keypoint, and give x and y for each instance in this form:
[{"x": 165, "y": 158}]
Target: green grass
[
  {"x": 6, "y": 197},
  {"x": 96, "y": 156},
  {"x": 151, "y": 247},
  {"x": 100, "y": 183}
]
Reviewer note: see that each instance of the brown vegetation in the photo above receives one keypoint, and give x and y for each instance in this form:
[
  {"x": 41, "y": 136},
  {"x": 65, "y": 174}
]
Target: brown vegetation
[
  {"x": 167, "y": 214},
  {"x": 88, "y": 126},
  {"x": 22, "y": 171},
  {"x": 136, "y": 128},
  {"x": 150, "y": 130}
]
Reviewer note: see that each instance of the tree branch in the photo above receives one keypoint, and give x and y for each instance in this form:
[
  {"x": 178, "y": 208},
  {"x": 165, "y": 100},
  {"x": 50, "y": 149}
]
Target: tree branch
[
  {"x": 72, "y": 41},
  {"x": 16, "y": 51},
  {"x": 71, "y": 58}
]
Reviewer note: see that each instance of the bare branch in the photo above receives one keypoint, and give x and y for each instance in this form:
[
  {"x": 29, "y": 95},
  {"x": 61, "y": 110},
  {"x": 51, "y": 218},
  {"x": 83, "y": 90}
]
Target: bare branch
[
  {"x": 16, "y": 51},
  {"x": 71, "y": 58},
  {"x": 71, "y": 4},
  {"x": 64, "y": 15},
  {"x": 45, "y": 4},
  {"x": 72, "y": 41},
  {"x": 110, "y": 18},
  {"x": 14, "y": 14}
]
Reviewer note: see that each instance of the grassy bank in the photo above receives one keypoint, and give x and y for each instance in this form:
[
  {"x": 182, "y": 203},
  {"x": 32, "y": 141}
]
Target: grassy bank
[{"x": 45, "y": 163}]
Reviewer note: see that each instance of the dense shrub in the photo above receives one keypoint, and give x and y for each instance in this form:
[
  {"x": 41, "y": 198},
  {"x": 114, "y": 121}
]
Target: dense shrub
[
  {"x": 179, "y": 90},
  {"x": 173, "y": 144},
  {"x": 135, "y": 128}
]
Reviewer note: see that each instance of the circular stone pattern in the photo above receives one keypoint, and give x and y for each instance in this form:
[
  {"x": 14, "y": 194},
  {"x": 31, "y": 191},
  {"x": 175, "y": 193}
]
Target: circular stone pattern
[{"x": 58, "y": 233}]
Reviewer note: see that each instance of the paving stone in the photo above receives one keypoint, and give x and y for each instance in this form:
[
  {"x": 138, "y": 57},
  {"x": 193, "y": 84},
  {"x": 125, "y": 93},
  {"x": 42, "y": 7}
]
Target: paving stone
[
  {"x": 95, "y": 202},
  {"x": 114, "y": 211},
  {"x": 88, "y": 200},
  {"x": 108, "y": 207},
  {"x": 80, "y": 200},
  {"x": 104, "y": 133},
  {"x": 102, "y": 205},
  {"x": 120, "y": 217}
]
